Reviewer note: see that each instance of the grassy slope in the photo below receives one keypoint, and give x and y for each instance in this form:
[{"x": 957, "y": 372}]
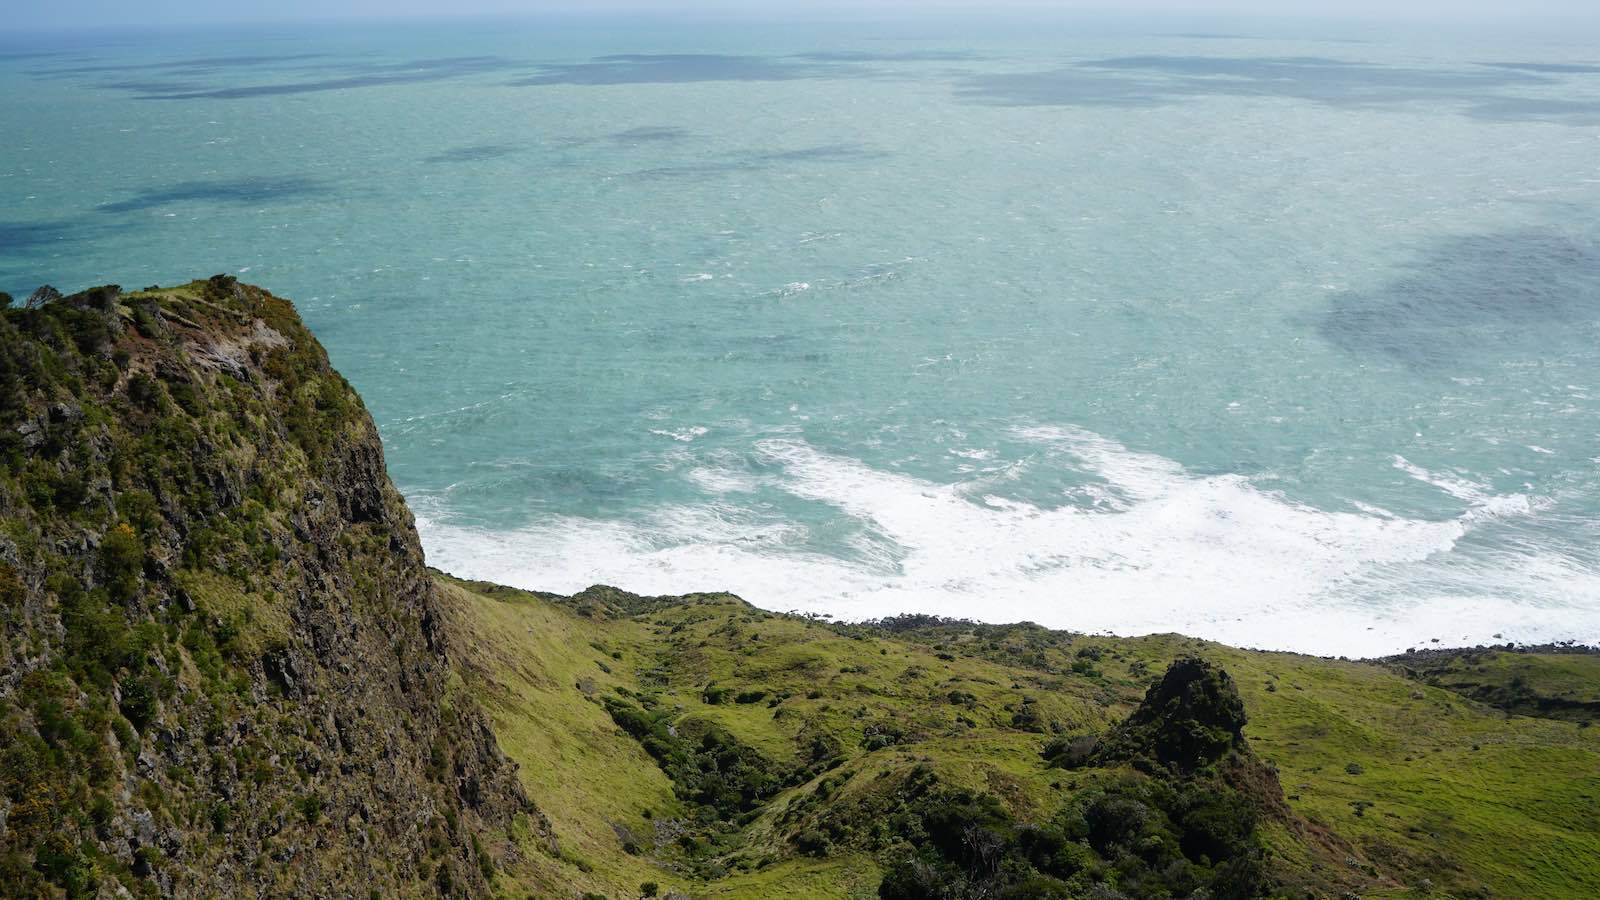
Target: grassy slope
[
  {"x": 1459, "y": 791},
  {"x": 526, "y": 660},
  {"x": 1554, "y": 685},
  {"x": 1448, "y": 790}
]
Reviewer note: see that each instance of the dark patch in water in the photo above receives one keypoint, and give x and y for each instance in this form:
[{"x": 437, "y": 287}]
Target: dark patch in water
[
  {"x": 156, "y": 87},
  {"x": 415, "y": 72},
  {"x": 1147, "y": 81},
  {"x": 649, "y": 135},
  {"x": 1064, "y": 87},
  {"x": 1472, "y": 294},
  {"x": 214, "y": 63},
  {"x": 31, "y": 252},
  {"x": 17, "y": 238},
  {"x": 1523, "y": 109},
  {"x": 821, "y": 152},
  {"x": 866, "y": 56},
  {"x": 1312, "y": 78},
  {"x": 9, "y": 55},
  {"x": 475, "y": 153},
  {"x": 240, "y": 191},
  {"x": 682, "y": 68},
  {"x": 751, "y": 162}
]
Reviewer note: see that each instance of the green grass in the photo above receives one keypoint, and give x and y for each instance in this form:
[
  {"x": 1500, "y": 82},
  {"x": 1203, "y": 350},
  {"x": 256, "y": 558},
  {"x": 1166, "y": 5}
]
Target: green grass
[
  {"x": 1450, "y": 793},
  {"x": 1460, "y": 793},
  {"x": 527, "y": 659},
  {"x": 852, "y": 877},
  {"x": 1551, "y": 685}
]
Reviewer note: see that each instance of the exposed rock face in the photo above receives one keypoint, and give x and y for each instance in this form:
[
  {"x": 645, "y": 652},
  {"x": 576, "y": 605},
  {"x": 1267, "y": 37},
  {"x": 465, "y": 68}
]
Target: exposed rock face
[{"x": 224, "y": 669}]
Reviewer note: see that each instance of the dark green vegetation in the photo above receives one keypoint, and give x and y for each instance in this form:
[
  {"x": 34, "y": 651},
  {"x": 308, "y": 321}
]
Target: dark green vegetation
[
  {"x": 226, "y": 672},
  {"x": 1188, "y": 825},
  {"x": 1559, "y": 683},
  {"x": 223, "y": 671}
]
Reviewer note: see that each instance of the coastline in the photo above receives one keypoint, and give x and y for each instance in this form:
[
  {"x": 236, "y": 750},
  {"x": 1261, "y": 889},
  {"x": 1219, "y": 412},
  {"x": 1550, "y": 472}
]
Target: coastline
[{"x": 790, "y": 585}]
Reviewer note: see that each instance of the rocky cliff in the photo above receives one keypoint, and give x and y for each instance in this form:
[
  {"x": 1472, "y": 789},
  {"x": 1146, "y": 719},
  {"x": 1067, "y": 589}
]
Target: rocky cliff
[{"x": 225, "y": 669}]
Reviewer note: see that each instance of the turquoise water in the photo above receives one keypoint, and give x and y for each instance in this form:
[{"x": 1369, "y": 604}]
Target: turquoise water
[{"x": 1283, "y": 341}]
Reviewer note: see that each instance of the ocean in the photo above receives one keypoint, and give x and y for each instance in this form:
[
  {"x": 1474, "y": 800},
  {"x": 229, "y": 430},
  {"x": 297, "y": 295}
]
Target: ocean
[{"x": 1288, "y": 338}]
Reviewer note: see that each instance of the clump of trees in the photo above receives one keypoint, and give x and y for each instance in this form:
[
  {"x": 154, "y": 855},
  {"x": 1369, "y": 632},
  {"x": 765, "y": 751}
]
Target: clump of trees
[
  {"x": 707, "y": 765},
  {"x": 1179, "y": 820},
  {"x": 1141, "y": 836}
]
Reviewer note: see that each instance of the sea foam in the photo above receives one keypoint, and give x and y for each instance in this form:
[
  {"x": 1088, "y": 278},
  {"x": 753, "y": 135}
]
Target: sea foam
[{"x": 1159, "y": 549}]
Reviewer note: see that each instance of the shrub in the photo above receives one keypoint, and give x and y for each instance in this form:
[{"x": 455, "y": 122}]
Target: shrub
[
  {"x": 144, "y": 318},
  {"x": 66, "y": 866},
  {"x": 485, "y": 861},
  {"x": 122, "y": 562},
  {"x": 881, "y": 734},
  {"x": 310, "y": 806},
  {"x": 139, "y": 701},
  {"x": 1217, "y": 828},
  {"x": 1028, "y": 718},
  {"x": 812, "y": 842},
  {"x": 187, "y": 398},
  {"x": 1188, "y": 720},
  {"x": 712, "y": 770},
  {"x": 12, "y": 592},
  {"x": 1070, "y": 752},
  {"x": 144, "y": 392}
]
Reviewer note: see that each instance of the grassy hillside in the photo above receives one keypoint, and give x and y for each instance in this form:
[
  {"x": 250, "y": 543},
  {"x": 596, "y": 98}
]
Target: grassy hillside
[{"x": 1394, "y": 787}]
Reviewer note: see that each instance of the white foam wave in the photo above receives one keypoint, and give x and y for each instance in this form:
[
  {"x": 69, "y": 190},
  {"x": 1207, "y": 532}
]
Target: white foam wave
[
  {"x": 681, "y": 434},
  {"x": 1162, "y": 550},
  {"x": 1459, "y": 488},
  {"x": 789, "y": 290},
  {"x": 720, "y": 480}
]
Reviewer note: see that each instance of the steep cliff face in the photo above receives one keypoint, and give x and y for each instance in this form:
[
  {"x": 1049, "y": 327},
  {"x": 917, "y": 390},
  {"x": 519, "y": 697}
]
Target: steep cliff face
[{"x": 224, "y": 668}]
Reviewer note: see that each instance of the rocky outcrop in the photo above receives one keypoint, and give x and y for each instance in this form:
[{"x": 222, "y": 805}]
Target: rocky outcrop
[
  {"x": 1191, "y": 718},
  {"x": 225, "y": 671}
]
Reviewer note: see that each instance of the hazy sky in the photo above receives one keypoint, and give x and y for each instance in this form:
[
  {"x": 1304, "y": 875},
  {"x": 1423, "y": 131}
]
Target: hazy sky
[{"x": 54, "y": 13}]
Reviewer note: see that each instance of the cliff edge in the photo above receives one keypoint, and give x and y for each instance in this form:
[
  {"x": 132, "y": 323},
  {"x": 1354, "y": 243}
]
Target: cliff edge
[{"x": 225, "y": 669}]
